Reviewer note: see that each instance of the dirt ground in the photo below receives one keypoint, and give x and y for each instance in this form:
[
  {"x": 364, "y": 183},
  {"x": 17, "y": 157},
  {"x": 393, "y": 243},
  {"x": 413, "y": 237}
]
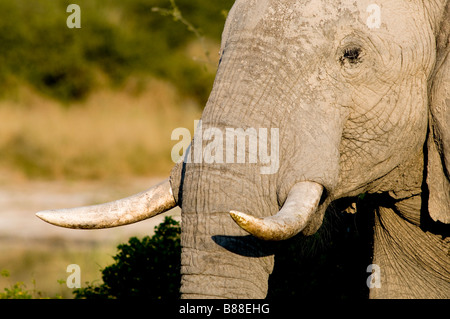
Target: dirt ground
[{"x": 32, "y": 250}]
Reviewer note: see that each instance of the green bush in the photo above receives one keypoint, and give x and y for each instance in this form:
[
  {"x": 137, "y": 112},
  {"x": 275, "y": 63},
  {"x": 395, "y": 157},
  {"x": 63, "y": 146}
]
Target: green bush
[
  {"x": 16, "y": 291},
  {"x": 147, "y": 268},
  {"x": 117, "y": 38}
]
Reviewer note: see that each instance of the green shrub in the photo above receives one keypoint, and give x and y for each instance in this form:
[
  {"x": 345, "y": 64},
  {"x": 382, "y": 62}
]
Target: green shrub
[
  {"x": 117, "y": 38},
  {"x": 143, "y": 268}
]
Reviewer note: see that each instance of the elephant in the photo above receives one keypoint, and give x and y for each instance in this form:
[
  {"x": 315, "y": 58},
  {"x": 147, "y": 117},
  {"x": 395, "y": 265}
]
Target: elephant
[{"x": 356, "y": 95}]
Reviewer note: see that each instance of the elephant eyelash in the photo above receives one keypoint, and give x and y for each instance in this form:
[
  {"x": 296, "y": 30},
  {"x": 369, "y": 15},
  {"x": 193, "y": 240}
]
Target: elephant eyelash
[{"x": 351, "y": 56}]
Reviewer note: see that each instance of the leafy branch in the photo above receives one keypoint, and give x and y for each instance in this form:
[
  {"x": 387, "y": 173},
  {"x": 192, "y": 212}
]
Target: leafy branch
[{"x": 175, "y": 13}]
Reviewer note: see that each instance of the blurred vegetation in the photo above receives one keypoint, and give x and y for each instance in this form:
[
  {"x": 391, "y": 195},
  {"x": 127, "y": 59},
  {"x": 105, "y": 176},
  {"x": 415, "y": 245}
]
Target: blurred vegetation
[
  {"x": 114, "y": 134},
  {"x": 101, "y": 101},
  {"x": 143, "y": 268},
  {"x": 19, "y": 290},
  {"x": 117, "y": 39}
]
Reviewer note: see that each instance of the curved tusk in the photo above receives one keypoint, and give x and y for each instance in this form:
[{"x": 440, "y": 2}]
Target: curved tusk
[
  {"x": 300, "y": 205},
  {"x": 152, "y": 202}
]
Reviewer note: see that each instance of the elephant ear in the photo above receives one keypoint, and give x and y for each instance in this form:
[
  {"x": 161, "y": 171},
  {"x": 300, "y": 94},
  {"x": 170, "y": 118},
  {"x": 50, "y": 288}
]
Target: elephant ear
[{"x": 438, "y": 144}]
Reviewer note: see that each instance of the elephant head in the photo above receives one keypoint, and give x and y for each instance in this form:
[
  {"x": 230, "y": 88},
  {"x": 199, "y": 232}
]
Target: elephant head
[{"x": 356, "y": 96}]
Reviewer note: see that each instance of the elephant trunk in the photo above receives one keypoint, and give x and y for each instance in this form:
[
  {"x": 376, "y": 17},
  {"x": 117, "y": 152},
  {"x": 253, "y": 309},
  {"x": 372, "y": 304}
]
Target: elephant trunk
[
  {"x": 223, "y": 266},
  {"x": 219, "y": 259},
  {"x": 249, "y": 96}
]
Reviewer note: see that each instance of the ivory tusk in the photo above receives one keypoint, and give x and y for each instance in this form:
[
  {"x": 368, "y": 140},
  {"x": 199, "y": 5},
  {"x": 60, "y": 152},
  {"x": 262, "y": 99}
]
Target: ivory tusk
[
  {"x": 301, "y": 203},
  {"x": 135, "y": 208}
]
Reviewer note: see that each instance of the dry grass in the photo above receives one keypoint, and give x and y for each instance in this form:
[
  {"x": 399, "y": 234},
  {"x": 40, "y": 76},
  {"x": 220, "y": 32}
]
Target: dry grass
[{"x": 110, "y": 135}]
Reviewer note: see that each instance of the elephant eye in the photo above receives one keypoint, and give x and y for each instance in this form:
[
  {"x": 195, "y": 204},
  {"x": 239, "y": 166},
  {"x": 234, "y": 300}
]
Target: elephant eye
[{"x": 351, "y": 57}]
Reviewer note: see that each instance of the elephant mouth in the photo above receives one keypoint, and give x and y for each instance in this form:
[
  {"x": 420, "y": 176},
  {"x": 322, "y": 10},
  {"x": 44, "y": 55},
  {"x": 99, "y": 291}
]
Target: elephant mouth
[{"x": 301, "y": 204}]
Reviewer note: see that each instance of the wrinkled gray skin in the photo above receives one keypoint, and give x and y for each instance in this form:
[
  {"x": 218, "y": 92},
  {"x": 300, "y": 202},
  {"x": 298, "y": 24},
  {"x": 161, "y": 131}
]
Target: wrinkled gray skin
[
  {"x": 360, "y": 107},
  {"x": 376, "y": 121}
]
